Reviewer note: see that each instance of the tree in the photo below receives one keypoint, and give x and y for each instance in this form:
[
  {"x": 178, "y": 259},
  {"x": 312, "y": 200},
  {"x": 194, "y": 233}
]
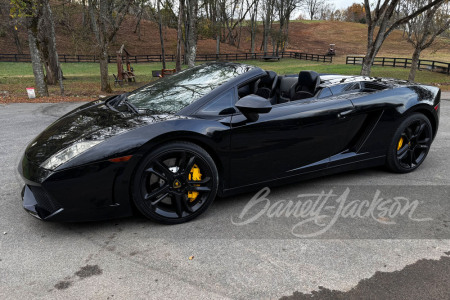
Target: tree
[
  {"x": 268, "y": 16},
  {"x": 355, "y": 13},
  {"x": 327, "y": 12},
  {"x": 336, "y": 15},
  {"x": 422, "y": 30},
  {"x": 253, "y": 24},
  {"x": 47, "y": 43},
  {"x": 179, "y": 35},
  {"x": 161, "y": 37},
  {"x": 382, "y": 18},
  {"x": 313, "y": 7},
  {"x": 11, "y": 23},
  {"x": 32, "y": 11},
  {"x": 106, "y": 17},
  {"x": 284, "y": 9},
  {"x": 191, "y": 31}
]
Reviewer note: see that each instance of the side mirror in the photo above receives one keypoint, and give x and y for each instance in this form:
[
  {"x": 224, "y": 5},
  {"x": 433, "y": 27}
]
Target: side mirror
[{"x": 253, "y": 104}]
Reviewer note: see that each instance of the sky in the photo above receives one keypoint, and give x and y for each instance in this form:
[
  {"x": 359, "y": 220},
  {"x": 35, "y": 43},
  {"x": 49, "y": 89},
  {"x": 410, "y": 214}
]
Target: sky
[{"x": 344, "y": 3}]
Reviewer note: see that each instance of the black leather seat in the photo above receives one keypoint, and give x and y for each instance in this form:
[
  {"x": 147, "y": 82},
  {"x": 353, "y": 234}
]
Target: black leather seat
[
  {"x": 266, "y": 86},
  {"x": 306, "y": 85}
]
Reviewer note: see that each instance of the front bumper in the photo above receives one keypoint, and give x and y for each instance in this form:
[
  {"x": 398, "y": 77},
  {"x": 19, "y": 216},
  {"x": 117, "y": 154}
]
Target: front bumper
[
  {"x": 38, "y": 204},
  {"x": 92, "y": 192}
]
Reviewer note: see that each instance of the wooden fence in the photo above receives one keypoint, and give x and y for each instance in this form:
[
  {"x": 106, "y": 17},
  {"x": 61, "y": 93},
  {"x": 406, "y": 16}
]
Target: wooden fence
[
  {"x": 65, "y": 58},
  {"x": 424, "y": 64}
]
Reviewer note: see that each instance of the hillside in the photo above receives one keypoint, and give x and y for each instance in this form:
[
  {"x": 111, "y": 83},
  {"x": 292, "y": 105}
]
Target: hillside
[{"x": 306, "y": 36}]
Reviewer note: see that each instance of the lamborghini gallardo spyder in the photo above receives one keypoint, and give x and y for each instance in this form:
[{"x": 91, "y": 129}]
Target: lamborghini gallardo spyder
[{"x": 170, "y": 147}]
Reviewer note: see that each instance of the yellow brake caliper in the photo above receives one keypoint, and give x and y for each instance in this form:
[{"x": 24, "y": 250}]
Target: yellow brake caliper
[
  {"x": 194, "y": 175},
  {"x": 400, "y": 144}
]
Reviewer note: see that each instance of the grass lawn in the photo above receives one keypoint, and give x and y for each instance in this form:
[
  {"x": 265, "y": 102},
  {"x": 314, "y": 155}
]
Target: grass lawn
[{"x": 83, "y": 80}]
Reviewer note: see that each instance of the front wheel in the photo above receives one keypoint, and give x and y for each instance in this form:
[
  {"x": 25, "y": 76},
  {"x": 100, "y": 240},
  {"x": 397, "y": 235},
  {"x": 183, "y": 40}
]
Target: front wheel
[
  {"x": 175, "y": 183},
  {"x": 410, "y": 144}
]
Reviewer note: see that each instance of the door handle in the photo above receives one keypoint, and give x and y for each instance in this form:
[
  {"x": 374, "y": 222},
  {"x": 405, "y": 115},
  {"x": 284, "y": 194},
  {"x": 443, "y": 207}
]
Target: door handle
[{"x": 345, "y": 113}]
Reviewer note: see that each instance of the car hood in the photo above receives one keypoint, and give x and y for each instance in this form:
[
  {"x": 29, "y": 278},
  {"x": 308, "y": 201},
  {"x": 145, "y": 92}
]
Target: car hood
[{"x": 92, "y": 121}]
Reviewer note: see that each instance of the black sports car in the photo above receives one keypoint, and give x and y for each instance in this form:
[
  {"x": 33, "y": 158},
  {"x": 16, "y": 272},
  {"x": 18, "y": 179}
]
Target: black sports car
[{"x": 171, "y": 146}]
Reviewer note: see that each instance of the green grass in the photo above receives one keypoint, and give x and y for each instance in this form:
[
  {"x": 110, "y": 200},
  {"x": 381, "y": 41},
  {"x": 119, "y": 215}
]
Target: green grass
[
  {"x": 81, "y": 71},
  {"x": 83, "y": 79}
]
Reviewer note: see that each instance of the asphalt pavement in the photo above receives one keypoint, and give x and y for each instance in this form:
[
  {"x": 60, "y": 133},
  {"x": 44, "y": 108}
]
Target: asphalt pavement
[{"x": 218, "y": 256}]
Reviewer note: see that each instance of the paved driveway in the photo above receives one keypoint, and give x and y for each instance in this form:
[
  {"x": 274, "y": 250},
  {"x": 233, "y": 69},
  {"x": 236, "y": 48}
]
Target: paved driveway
[{"x": 136, "y": 259}]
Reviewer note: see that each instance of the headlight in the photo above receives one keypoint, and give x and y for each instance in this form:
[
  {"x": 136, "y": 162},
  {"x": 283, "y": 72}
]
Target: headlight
[{"x": 67, "y": 154}]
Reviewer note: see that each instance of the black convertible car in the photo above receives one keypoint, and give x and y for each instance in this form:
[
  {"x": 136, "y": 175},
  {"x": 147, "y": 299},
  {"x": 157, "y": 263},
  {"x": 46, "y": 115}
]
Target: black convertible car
[{"x": 171, "y": 146}]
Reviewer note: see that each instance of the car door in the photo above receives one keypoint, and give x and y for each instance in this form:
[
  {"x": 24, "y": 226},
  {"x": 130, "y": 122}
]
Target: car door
[{"x": 293, "y": 138}]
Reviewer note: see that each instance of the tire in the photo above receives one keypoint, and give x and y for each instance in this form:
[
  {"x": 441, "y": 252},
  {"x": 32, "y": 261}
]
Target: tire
[
  {"x": 410, "y": 144},
  {"x": 175, "y": 183}
]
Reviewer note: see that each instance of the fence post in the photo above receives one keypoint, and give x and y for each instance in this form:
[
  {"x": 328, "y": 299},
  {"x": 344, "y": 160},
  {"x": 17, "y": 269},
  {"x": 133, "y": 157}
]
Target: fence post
[
  {"x": 432, "y": 65},
  {"x": 383, "y": 62}
]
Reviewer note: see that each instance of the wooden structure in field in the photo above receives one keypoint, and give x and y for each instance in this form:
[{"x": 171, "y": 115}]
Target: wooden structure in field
[{"x": 126, "y": 75}]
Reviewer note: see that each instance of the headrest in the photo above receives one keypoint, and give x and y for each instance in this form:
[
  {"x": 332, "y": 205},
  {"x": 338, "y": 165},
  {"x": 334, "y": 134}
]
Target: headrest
[
  {"x": 309, "y": 78},
  {"x": 268, "y": 78}
]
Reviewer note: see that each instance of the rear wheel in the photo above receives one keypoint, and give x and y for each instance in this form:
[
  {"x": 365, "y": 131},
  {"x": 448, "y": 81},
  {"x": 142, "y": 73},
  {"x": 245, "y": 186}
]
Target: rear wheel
[
  {"x": 175, "y": 183},
  {"x": 410, "y": 144}
]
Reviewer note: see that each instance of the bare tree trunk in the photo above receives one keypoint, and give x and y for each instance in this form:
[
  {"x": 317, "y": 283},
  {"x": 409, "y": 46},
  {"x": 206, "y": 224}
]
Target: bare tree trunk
[
  {"x": 265, "y": 35},
  {"x": 48, "y": 44},
  {"x": 179, "y": 35},
  {"x": 36, "y": 62},
  {"x": 15, "y": 36},
  {"x": 267, "y": 24},
  {"x": 53, "y": 60},
  {"x": 105, "y": 86},
  {"x": 218, "y": 44},
  {"x": 254, "y": 17},
  {"x": 161, "y": 37},
  {"x": 84, "y": 15},
  {"x": 137, "y": 29},
  {"x": 372, "y": 48},
  {"x": 192, "y": 10},
  {"x": 138, "y": 23},
  {"x": 252, "y": 35},
  {"x": 60, "y": 79},
  {"x": 286, "y": 34},
  {"x": 186, "y": 32},
  {"x": 414, "y": 64}
]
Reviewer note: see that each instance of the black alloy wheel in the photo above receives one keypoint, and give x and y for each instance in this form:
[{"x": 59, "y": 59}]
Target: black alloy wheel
[
  {"x": 410, "y": 144},
  {"x": 175, "y": 183}
]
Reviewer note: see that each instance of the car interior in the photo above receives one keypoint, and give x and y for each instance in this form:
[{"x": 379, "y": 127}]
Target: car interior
[{"x": 282, "y": 89}]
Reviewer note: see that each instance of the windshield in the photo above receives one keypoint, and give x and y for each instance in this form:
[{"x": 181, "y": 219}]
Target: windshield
[{"x": 171, "y": 94}]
